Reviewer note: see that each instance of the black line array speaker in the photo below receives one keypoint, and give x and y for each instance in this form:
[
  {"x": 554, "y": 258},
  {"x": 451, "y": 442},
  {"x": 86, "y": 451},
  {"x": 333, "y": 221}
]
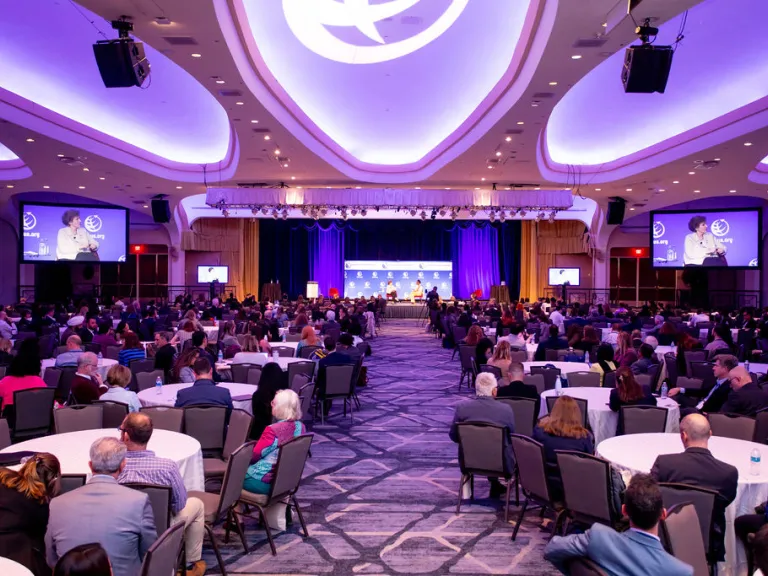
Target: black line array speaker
[
  {"x": 161, "y": 211},
  {"x": 616, "y": 211},
  {"x": 646, "y": 68},
  {"x": 121, "y": 63}
]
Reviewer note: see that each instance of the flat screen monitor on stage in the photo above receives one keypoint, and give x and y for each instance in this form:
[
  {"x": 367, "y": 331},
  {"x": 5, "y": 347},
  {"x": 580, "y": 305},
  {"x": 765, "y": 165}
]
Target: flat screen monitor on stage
[
  {"x": 207, "y": 274},
  {"x": 559, "y": 276},
  {"x": 67, "y": 232},
  {"x": 370, "y": 277},
  {"x": 709, "y": 238}
]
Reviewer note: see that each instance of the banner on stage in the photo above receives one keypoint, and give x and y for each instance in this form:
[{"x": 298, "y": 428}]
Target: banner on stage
[{"x": 370, "y": 277}]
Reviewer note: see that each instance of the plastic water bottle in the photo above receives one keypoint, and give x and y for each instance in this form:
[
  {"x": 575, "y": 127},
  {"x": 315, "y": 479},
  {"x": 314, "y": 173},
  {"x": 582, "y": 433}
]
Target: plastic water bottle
[
  {"x": 754, "y": 462},
  {"x": 746, "y": 366},
  {"x": 586, "y": 359},
  {"x": 221, "y": 356},
  {"x": 275, "y": 355},
  {"x": 101, "y": 356},
  {"x": 558, "y": 386},
  {"x": 284, "y": 337},
  {"x": 664, "y": 390},
  {"x": 158, "y": 386}
]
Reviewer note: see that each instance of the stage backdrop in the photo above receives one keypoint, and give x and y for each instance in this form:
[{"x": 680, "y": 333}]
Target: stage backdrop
[{"x": 370, "y": 277}]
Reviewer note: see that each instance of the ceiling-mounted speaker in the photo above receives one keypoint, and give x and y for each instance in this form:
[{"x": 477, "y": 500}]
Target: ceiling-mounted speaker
[
  {"x": 616, "y": 211},
  {"x": 121, "y": 63},
  {"x": 161, "y": 211},
  {"x": 646, "y": 68}
]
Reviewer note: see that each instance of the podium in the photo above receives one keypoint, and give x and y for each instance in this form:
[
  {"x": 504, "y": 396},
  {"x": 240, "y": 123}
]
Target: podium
[{"x": 500, "y": 293}]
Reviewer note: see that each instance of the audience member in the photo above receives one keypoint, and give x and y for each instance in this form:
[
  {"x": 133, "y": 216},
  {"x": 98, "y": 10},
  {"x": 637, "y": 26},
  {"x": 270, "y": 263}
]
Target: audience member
[
  {"x": 87, "y": 385},
  {"x": 647, "y": 363},
  {"x": 501, "y": 359},
  {"x": 636, "y": 552},
  {"x": 73, "y": 328},
  {"x": 516, "y": 387},
  {"x": 204, "y": 390},
  {"x": 554, "y": 342},
  {"x": 273, "y": 379},
  {"x": 24, "y": 500},
  {"x": 165, "y": 353},
  {"x": 105, "y": 337},
  {"x": 249, "y": 352},
  {"x": 345, "y": 345},
  {"x": 721, "y": 339},
  {"x": 628, "y": 393},
  {"x": 6, "y": 330},
  {"x": 132, "y": 350},
  {"x": 697, "y": 467},
  {"x": 6, "y": 346},
  {"x": 562, "y": 430},
  {"x": 625, "y": 354},
  {"x": 286, "y": 411},
  {"x": 746, "y": 397},
  {"x": 711, "y": 398},
  {"x": 142, "y": 466},
  {"x": 88, "y": 331},
  {"x": 118, "y": 380},
  {"x": 484, "y": 408},
  {"x": 759, "y": 548},
  {"x": 74, "y": 350},
  {"x": 200, "y": 341},
  {"x": 23, "y": 374},
  {"x": 182, "y": 371},
  {"x": 118, "y": 518},
  {"x": 184, "y": 333},
  {"x": 603, "y": 364},
  {"x": 308, "y": 338},
  {"x": 84, "y": 560}
]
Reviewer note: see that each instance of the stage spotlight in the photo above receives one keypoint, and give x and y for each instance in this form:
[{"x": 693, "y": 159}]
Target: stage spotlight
[
  {"x": 255, "y": 211},
  {"x": 434, "y": 213},
  {"x": 522, "y": 213},
  {"x": 552, "y": 217},
  {"x": 472, "y": 213},
  {"x": 285, "y": 214},
  {"x": 540, "y": 216},
  {"x": 354, "y": 211},
  {"x": 423, "y": 215},
  {"x": 453, "y": 215},
  {"x": 512, "y": 213},
  {"x": 492, "y": 216},
  {"x": 275, "y": 214},
  {"x": 363, "y": 212},
  {"x": 225, "y": 212},
  {"x": 502, "y": 216},
  {"x": 323, "y": 212},
  {"x": 413, "y": 212},
  {"x": 314, "y": 214},
  {"x": 442, "y": 212},
  {"x": 264, "y": 211}
]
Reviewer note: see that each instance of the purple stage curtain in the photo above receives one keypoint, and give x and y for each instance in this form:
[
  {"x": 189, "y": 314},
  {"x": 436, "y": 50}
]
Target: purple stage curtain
[
  {"x": 326, "y": 257},
  {"x": 475, "y": 259}
]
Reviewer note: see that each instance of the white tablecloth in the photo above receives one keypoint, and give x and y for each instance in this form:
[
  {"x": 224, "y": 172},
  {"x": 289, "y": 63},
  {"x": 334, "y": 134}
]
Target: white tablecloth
[
  {"x": 565, "y": 367},
  {"x": 756, "y": 367},
  {"x": 104, "y": 365},
  {"x": 602, "y": 419},
  {"x": 72, "y": 451},
  {"x": 637, "y": 453},
  {"x": 281, "y": 360},
  {"x": 11, "y": 568},
  {"x": 241, "y": 395},
  {"x": 286, "y": 331}
]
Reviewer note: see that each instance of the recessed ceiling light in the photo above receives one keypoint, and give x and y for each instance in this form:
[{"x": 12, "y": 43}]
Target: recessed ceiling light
[
  {"x": 598, "y": 189},
  {"x": 508, "y": 138},
  {"x": 448, "y": 188},
  {"x": 498, "y": 153},
  {"x": 697, "y": 191},
  {"x": 293, "y": 177},
  {"x": 482, "y": 179},
  {"x": 254, "y": 121},
  {"x": 9, "y": 186},
  {"x": 490, "y": 167},
  {"x": 631, "y": 209},
  {"x": 267, "y": 137},
  {"x": 576, "y": 57},
  {"x": 732, "y": 191},
  {"x": 30, "y": 139},
  {"x": 662, "y": 190},
  {"x": 178, "y": 187},
  {"x": 717, "y": 159},
  {"x": 239, "y": 103},
  {"x": 60, "y": 155},
  {"x": 285, "y": 165},
  {"x": 299, "y": 187},
  {"x": 553, "y": 83},
  {"x": 535, "y": 104},
  {"x": 520, "y": 123},
  {"x": 691, "y": 173},
  {"x": 102, "y": 178},
  {"x": 477, "y": 188},
  {"x": 46, "y": 187},
  {"x": 358, "y": 187},
  {"x": 675, "y": 181},
  {"x": 81, "y": 187},
  {"x": 745, "y": 143},
  {"x": 86, "y": 170},
  {"x": 537, "y": 188},
  {"x": 629, "y": 189},
  {"x": 219, "y": 81},
  {"x": 196, "y": 55},
  {"x": 146, "y": 206},
  {"x": 277, "y": 151},
  {"x": 418, "y": 187}
]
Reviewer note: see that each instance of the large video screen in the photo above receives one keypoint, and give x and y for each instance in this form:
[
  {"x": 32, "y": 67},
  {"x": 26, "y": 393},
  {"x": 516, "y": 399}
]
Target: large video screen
[
  {"x": 71, "y": 232},
  {"x": 708, "y": 238},
  {"x": 208, "y": 274},
  {"x": 370, "y": 277},
  {"x": 560, "y": 276}
]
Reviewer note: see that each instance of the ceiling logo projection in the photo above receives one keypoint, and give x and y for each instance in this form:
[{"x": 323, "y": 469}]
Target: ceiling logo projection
[{"x": 310, "y": 21}]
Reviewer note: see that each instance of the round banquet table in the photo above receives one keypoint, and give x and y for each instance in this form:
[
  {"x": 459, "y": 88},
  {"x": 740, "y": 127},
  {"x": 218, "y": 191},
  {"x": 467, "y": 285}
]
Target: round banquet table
[
  {"x": 636, "y": 453},
  {"x": 601, "y": 418},
  {"x": 286, "y": 330},
  {"x": 565, "y": 367},
  {"x": 11, "y": 568},
  {"x": 282, "y": 361},
  {"x": 241, "y": 395},
  {"x": 72, "y": 451},
  {"x": 104, "y": 365}
]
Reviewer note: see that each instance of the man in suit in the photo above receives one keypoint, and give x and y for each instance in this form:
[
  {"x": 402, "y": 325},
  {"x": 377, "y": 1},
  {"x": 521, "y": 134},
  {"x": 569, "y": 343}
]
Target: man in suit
[
  {"x": 554, "y": 342},
  {"x": 204, "y": 390},
  {"x": 484, "y": 408},
  {"x": 117, "y": 517},
  {"x": 697, "y": 467},
  {"x": 746, "y": 397},
  {"x": 517, "y": 388},
  {"x": 89, "y": 330},
  {"x": 347, "y": 346},
  {"x": 636, "y": 552},
  {"x": 708, "y": 398},
  {"x": 165, "y": 353},
  {"x": 200, "y": 341}
]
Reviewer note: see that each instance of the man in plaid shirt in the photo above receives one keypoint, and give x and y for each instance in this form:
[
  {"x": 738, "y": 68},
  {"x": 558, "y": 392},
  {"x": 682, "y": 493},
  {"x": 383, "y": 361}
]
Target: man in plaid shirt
[{"x": 143, "y": 467}]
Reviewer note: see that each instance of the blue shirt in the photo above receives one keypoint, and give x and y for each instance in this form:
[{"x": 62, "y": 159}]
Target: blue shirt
[{"x": 68, "y": 358}]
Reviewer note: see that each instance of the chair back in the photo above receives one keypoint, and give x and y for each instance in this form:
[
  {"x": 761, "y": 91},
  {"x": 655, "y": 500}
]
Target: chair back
[
  {"x": 165, "y": 418},
  {"x": 583, "y": 380},
  {"x": 207, "y": 424},
  {"x": 535, "y": 380},
  {"x": 582, "y": 403},
  {"x": 645, "y": 380},
  {"x": 298, "y": 382},
  {"x": 644, "y": 419},
  {"x": 5, "y": 434},
  {"x": 550, "y": 375},
  {"x": 550, "y": 355},
  {"x": 761, "y": 427},
  {"x": 112, "y": 352},
  {"x": 518, "y": 356},
  {"x": 495, "y": 370},
  {"x": 162, "y": 558},
  {"x": 284, "y": 351},
  {"x": 583, "y": 566},
  {"x": 69, "y": 482},
  {"x": 670, "y": 363},
  {"x": 91, "y": 347},
  {"x": 114, "y": 412},
  {"x": 481, "y": 449},
  {"x": 65, "y": 382},
  {"x": 76, "y": 418},
  {"x": 51, "y": 377},
  {"x": 142, "y": 365},
  {"x": 682, "y": 538},
  {"x": 609, "y": 380},
  {"x": 254, "y": 376},
  {"x": 466, "y": 355},
  {"x": 525, "y": 413},
  {"x": 338, "y": 380},
  {"x": 703, "y": 371},
  {"x": 34, "y": 411},
  {"x": 240, "y": 372},
  {"x": 293, "y": 337},
  {"x": 703, "y": 501},
  {"x": 292, "y": 456},
  {"x": 459, "y": 333},
  {"x": 305, "y": 395},
  {"x": 234, "y": 476},
  {"x": 238, "y": 431},
  {"x": 59, "y": 350},
  {"x": 307, "y": 351},
  {"x": 732, "y": 426},
  {"x": 689, "y": 383},
  {"x": 531, "y": 467},
  {"x": 145, "y": 380},
  {"x": 586, "y": 486},
  {"x": 692, "y": 356},
  {"x": 306, "y": 368},
  {"x": 160, "y": 500}
]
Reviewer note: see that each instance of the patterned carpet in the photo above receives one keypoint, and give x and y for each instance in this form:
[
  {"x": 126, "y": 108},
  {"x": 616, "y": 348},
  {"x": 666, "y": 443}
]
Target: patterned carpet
[{"x": 379, "y": 496}]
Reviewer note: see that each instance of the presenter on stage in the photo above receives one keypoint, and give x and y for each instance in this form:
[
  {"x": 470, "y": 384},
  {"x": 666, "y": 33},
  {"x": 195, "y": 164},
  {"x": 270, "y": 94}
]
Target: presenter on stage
[
  {"x": 391, "y": 291},
  {"x": 418, "y": 292},
  {"x": 74, "y": 242},
  {"x": 701, "y": 247}
]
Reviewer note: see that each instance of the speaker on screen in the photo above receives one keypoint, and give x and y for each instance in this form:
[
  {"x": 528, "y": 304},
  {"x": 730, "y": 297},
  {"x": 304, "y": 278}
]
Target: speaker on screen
[
  {"x": 161, "y": 211},
  {"x": 616, "y": 211}
]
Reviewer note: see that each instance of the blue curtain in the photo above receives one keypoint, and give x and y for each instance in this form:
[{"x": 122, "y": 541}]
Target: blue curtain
[
  {"x": 475, "y": 259},
  {"x": 326, "y": 257},
  {"x": 510, "y": 238},
  {"x": 399, "y": 240},
  {"x": 283, "y": 255}
]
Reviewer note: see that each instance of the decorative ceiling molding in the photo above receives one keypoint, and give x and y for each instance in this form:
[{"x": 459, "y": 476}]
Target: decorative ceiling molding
[{"x": 11, "y": 166}]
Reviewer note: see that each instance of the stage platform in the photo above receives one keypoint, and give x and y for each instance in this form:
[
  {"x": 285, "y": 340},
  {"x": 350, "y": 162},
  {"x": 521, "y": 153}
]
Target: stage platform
[{"x": 405, "y": 310}]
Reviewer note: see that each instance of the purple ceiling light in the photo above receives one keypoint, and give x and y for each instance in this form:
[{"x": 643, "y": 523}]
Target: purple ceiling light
[
  {"x": 717, "y": 90},
  {"x": 387, "y": 91},
  {"x": 11, "y": 166},
  {"x": 51, "y": 84}
]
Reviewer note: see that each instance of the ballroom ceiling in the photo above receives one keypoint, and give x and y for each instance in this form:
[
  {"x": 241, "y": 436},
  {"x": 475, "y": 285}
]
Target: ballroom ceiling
[{"x": 423, "y": 94}]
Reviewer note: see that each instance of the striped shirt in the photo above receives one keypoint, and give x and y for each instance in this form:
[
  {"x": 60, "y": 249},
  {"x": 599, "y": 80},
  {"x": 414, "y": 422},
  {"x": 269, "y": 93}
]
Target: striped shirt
[
  {"x": 126, "y": 355},
  {"x": 143, "y": 467}
]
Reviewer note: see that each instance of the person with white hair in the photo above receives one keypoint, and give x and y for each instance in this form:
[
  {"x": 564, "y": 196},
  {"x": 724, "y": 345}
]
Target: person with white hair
[
  {"x": 117, "y": 517},
  {"x": 651, "y": 341},
  {"x": 6, "y": 330},
  {"x": 286, "y": 410},
  {"x": 330, "y": 323},
  {"x": 485, "y": 408},
  {"x": 87, "y": 385}
]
